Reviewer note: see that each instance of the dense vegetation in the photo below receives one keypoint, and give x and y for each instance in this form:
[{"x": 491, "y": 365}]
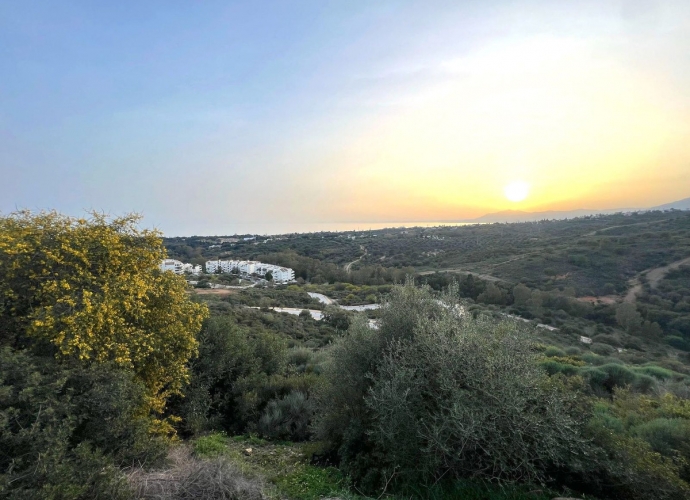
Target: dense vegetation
[
  {"x": 119, "y": 381},
  {"x": 595, "y": 255},
  {"x": 94, "y": 340}
]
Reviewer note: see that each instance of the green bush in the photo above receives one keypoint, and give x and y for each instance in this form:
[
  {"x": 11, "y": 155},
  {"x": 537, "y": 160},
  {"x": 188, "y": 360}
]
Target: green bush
[
  {"x": 211, "y": 445},
  {"x": 678, "y": 343},
  {"x": 553, "y": 367},
  {"x": 593, "y": 359},
  {"x": 596, "y": 378},
  {"x": 287, "y": 418},
  {"x": 611, "y": 340},
  {"x": 618, "y": 375},
  {"x": 655, "y": 371},
  {"x": 667, "y": 436},
  {"x": 306, "y": 360},
  {"x": 228, "y": 377},
  {"x": 64, "y": 430},
  {"x": 644, "y": 383},
  {"x": 630, "y": 469},
  {"x": 552, "y": 351},
  {"x": 432, "y": 394},
  {"x": 311, "y": 483},
  {"x": 602, "y": 349},
  {"x": 645, "y": 447}
]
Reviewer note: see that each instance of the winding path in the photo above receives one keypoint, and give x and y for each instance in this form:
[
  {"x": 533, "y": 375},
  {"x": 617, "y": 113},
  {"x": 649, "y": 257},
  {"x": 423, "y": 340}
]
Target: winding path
[
  {"x": 603, "y": 229},
  {"x": 654, "y": 276},
  {"x": 348, "y": 266},
  {"x": 486, "y": 277}
]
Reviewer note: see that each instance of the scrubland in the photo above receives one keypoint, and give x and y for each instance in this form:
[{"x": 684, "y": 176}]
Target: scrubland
[{"x": 119, "y": 381}]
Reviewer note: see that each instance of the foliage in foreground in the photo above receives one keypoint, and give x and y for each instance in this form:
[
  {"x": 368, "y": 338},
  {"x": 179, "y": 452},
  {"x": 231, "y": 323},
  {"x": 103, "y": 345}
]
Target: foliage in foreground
[
  {"x": 288, "y": 474},
  {"x": 434, "y": 394},
  {"x": 244, "y": 381},
  {"x": 431, "y": 395},
  {"x": 91, "y": 290},
  {"x": 64, "y": 431},
  {"x": 93, "y": 341}
]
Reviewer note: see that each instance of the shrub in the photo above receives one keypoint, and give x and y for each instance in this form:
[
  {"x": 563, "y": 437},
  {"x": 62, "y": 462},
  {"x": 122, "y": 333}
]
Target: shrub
[
  {"x": 553, "y": 367},
  {"x": 287, "y": 417},
  {"x": 190, "y": 478},
  {"x": 306, "y": 360},
  {"x": 596, "y": 378},
  {"x": 611, "y": 340},
  {"x": 552, "y": 351},
  {"x": 632, "y": 470},
  {"x": 602, "y": 349},
  {"x": 232, "y": 368},
  {"x": 678, "y": 343},
  {"x": 593, "y": 359},
  {"x": 645, "y": 440},
  {"x": 644, "y": 383},
  {"x": 405, "y": 399},
  {"x": 65, "y": 430},
  {"x": 417, "y": 388},
  {"x": 655, "y": 371},
  {"x": 618, "y": 375},
  {"x": 91, "y": 290},
  {"x": 665, "y": 435}
]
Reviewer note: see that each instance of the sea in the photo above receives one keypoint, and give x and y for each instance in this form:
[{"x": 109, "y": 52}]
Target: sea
[{"x": 274, "y": 228}]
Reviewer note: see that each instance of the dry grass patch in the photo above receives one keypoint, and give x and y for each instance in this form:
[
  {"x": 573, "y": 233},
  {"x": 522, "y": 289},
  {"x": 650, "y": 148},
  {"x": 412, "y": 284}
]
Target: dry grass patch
[{"x": 191, "y": 478}]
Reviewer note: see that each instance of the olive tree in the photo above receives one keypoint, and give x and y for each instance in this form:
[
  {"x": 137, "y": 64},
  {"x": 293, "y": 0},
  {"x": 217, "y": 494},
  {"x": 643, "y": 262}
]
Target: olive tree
[{"x": 435, "y": 392}]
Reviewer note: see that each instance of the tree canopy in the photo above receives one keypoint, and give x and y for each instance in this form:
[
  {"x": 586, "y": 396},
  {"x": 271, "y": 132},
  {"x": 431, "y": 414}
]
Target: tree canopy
[{"x": 90, "y": 289}]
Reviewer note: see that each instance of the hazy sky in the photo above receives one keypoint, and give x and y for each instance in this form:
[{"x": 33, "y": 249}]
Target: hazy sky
[{"x": 204, "y": 115}]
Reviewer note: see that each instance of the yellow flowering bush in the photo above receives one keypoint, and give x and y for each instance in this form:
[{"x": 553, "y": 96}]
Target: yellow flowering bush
[{"x": 91, "y": 288}]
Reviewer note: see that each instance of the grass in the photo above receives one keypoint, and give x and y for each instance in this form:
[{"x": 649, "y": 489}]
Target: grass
[
  {"x": 211, "y": 445},
  {"x": 283, "y": 465},
  {"x": 285, "y": 469}
]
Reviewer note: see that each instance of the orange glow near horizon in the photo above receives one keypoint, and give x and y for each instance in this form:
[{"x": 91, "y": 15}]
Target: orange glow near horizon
[{"x": 584, "y": 132}]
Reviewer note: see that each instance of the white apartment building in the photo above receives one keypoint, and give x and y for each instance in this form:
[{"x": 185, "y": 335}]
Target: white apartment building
[
  {"x": 248, "y": 267},
  {"x": 178, "y": 267}
]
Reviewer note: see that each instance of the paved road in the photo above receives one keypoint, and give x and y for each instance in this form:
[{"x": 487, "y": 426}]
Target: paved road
[{"x": 321, "y": 297}]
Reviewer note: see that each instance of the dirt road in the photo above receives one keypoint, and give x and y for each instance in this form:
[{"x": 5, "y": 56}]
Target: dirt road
[
  {"x": 625, "y": 225},
  {"x": 348, "y": 266},
  {"x": 654, "y": 276},
  {"x": 486, "y": 277}
]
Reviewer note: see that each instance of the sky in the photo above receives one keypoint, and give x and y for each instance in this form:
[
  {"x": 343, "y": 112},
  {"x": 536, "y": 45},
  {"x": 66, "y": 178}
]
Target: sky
[{"x": 218, "y": 117}]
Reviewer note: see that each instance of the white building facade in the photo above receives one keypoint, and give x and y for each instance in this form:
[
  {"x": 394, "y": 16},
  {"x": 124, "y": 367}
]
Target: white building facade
[
  {"x": 249, "y": 267},
  {"x": 178, "y": 267}
]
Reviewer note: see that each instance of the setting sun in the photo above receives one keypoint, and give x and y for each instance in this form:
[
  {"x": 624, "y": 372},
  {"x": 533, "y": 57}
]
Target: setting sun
[{"x": 516, "y": 191}]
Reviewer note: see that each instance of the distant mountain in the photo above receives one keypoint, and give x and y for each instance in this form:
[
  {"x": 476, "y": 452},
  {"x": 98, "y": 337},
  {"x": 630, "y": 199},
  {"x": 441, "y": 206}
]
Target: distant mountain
[
  {"x": 520, "y": 216},
  {"x": 678, "y": 205}
]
